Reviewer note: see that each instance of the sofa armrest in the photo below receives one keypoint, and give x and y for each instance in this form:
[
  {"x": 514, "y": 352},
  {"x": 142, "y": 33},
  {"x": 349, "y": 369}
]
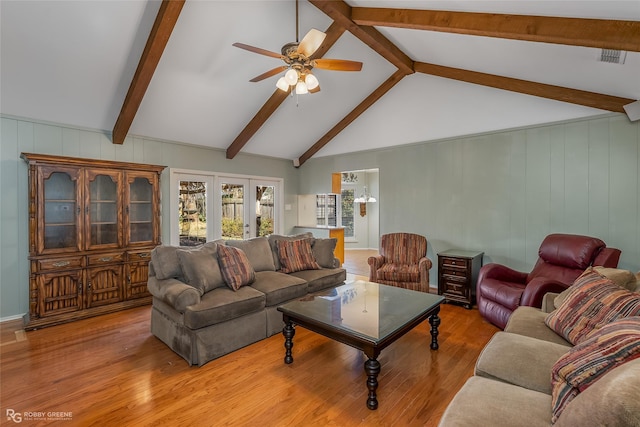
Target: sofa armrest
[
  {"x": 424, "y": 265},
  {"x": 175, "y": 293},
  {"x": 608, "y": 257},
  {"x": 375, "y": 262},
  {"x": 537, "y": 288},
  {"x": 548, "y": 304}
]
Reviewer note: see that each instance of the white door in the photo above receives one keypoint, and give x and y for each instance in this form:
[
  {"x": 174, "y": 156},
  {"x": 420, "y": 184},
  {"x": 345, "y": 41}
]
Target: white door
[{"x": 191, "y": 202}]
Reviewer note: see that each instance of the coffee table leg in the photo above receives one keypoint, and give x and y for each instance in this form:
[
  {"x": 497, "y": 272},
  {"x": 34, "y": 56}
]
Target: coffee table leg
[
  {"x": 288, "y": 332},
  {"x": 434, "y": 320},
  {"x": 372, "y": 369}
]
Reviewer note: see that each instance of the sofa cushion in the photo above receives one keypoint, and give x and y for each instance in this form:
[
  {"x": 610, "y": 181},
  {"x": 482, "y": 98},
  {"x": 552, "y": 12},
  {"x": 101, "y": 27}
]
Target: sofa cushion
[
  {"x": 485, "y": 402},
  {"x": 222, "y": 304},
  {"x": 399, "y": 273},
  {"x": 592, "y": 302},
  {"x": 519, "y": 360},
  {"x": 529, "y": 321},
  {"x": 279, "y": 287},
  {"x": 318, "y": 280},
  {"x": 273, "y": 238},
  {"x": 296, "y": 255},
  {"x": 323, "y": 251},
  {"x": 166, "y": 263},
  {"x": 258, "y": 252},
  {"x": 610, "y": 346},
  {"x": 200, "y": 267},
  {"x": 235, "y": 267},
  {"x": 611, "y": 401}
]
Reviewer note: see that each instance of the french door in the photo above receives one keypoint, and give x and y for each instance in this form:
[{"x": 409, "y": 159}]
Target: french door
[{"x": 247, "y": 207}]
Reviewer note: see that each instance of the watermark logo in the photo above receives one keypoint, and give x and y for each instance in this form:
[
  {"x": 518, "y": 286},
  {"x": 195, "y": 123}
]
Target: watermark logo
[{"x": 18, "y": 417}]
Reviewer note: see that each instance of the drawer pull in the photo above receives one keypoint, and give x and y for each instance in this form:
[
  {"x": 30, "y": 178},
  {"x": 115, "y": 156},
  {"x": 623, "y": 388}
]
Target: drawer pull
[
  {"x": 61, "y": 263},
  {"x": 106, "y": 259},
  {"x": 144, "y": 255}
]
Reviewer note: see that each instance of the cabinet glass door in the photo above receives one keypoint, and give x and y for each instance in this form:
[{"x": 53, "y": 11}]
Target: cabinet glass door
[
  {"x": 141, "y": 211},
  {"x": 60, "y": 213},
  {"x": 103, "y": 209}
]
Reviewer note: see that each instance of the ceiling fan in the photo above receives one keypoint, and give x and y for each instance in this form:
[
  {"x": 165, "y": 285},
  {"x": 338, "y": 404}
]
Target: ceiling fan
[{"x": 297, "y": 56}]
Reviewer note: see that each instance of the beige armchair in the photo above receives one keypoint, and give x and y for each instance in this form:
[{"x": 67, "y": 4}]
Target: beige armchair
[{"x": 402, "y": 262}]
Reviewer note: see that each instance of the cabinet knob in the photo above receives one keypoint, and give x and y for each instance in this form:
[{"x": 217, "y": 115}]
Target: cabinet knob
[{"x": 61, "y": 263}]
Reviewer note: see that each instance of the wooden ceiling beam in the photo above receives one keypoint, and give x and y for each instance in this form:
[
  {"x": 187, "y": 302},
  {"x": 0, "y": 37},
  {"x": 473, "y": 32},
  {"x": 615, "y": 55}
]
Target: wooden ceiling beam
[
  {"x": 354, "y": 114},
  {"x": 340, "y": 12},
  {"x": 333, "y": 34},
  {"x": 598, "y": 33},
  {"x": 160, "y": 32},
  {"x": 557, "y": 93}
]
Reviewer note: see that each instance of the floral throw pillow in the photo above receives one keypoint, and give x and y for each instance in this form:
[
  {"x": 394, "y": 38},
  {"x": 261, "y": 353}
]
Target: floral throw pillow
[
  {"x": 590, "y": 303},
  {"x": 235, "y": 267},
  {"x": 607, "y": 348},
  {"x": 296, "y": 255}
]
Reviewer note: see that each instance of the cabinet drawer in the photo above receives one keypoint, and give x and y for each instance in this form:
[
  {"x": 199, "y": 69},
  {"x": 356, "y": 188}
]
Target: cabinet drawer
[
  {"x": 52, "y": 264},
  {"x": 455, "y": 288},
  {"x": 109, "y": 258},
  {"x": 456, "y": 263},
  {"x": 458, "y": 275},
  {"x": 144, "y": 255}
]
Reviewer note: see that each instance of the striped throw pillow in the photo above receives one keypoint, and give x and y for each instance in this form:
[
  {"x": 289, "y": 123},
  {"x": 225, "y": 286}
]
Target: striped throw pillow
[
  {"x": 235, "y": 267},
  {"x": 296, "y": 255},
  {"x": 591, "y": 302},
  {"x": 609, "y": 347}
]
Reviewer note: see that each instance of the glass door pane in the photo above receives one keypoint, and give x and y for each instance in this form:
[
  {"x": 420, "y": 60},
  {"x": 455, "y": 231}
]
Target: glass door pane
[
  {"x": 103, "y": 209},
  {"x": 192, "y": 212},
  {"x": 61, "y": 209},
  {"x": 265, "y": 210},
  {"x": 234, "y": 216},
  {"x": 140, "y": 210}
]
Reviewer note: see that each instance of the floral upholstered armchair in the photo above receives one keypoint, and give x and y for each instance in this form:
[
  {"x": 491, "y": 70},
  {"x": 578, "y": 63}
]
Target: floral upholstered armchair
[{"x": 402, "y": 262}]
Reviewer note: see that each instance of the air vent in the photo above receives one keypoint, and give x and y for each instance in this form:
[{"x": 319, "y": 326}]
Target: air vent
[{"x": 613, "y": 56}]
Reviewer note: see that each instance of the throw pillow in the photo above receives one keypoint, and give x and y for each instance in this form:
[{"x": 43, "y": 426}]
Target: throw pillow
[
  {"x": 200, "y": 267},
  {"x": 609, "y": 347},
  {"x": 296, "y": 255},
  {"x": 275, "y": 238},
  {"x": 235, "y": 267},
  {"x": 323, "y": 251},
  {"x": 590, "y": 303}
]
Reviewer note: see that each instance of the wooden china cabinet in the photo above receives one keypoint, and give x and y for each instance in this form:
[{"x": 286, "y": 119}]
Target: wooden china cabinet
[{"x": 92, "y": 226}]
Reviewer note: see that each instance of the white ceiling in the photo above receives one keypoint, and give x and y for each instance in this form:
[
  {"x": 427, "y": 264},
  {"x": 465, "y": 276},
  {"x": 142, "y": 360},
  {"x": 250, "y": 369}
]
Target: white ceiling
[{"x": 71, "y": 62}]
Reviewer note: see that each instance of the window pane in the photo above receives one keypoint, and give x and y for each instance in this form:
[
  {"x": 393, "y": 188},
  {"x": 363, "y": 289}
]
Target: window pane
[
  {"x": 348, "y": 195},
  {"x": 264, "y": 210},
  {"x": 192, "y": 213}
]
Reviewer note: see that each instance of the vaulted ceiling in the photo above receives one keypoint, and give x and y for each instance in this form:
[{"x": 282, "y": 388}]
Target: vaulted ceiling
[{"x": 431, "y": 69}]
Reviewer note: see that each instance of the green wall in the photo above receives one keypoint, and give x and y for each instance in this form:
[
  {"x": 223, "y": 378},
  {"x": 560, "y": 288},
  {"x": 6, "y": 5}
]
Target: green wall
[
  {"x": 23, "y": 135},
  {"x": 500, "y": 193},
  {"x": 503, "y": 192}
]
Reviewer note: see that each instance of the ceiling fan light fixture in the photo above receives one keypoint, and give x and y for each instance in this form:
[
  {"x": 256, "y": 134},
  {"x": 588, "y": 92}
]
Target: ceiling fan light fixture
[
  {"x": 291, "y": 76},
  {"x": 282, "y": 84},
  {"x": 301, "y": 88},
  {"x": 311, "y": 81}
]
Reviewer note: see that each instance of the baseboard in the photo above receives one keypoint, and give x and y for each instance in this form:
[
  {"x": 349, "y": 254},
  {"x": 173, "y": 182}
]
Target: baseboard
[{"x": 10, "y": 318}]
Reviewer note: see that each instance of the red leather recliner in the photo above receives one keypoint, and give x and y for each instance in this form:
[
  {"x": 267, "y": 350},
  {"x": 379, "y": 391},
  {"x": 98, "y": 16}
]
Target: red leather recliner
[{"x": 562, "y": 258}]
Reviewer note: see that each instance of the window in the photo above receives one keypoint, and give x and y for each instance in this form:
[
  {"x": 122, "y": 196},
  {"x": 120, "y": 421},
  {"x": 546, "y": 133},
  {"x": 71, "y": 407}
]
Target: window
[{"x": 348, "y": 194}]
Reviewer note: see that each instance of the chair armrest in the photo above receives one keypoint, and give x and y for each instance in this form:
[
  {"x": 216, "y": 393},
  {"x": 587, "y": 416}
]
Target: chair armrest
[
  {"x": 502, "y": 273},
  {"x": 375, "y": 262},
  {"x": 177, "y": 294},
  {"x": 608, "y": 257},
  {"x": 548, "y": 304},
  {"x": 537, "y": 288},
  {"x": 424, "y": 265}
]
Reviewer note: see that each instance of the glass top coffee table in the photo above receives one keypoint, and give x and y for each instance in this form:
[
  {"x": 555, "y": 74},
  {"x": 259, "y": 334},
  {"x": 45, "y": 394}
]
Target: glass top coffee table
[{"x": 367, "y": 316}]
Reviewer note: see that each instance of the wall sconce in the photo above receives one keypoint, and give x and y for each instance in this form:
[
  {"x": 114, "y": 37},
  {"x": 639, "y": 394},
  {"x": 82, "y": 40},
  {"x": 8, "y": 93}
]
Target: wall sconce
[{"x": 363, "y": 200}]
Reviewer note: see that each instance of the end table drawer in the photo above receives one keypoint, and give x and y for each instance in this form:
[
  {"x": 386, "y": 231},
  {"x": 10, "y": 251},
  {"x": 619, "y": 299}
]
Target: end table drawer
[
  {"x": 448, "y": 262},
  {"x": 455, "y": 288}
]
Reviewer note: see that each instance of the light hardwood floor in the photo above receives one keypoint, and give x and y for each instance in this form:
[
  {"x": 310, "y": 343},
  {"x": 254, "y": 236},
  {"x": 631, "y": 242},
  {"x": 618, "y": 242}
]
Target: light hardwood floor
[{"x": 110, "y": 370}]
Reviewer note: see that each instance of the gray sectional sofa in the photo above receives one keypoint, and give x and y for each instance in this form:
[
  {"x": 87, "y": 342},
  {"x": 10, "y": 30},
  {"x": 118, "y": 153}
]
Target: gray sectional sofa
[
  {"x": 512, "y": 385},
  {"x": 200, "y": 317}
]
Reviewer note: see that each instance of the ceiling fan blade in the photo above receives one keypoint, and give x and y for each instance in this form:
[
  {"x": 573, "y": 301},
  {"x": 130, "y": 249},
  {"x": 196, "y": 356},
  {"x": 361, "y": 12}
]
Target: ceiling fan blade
[
  {"x": 268, "y": 74},
  {"x": 337, "y": 64},
  {"x": 258, "y": 50},
  {"x": 311, "y": 42}
]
